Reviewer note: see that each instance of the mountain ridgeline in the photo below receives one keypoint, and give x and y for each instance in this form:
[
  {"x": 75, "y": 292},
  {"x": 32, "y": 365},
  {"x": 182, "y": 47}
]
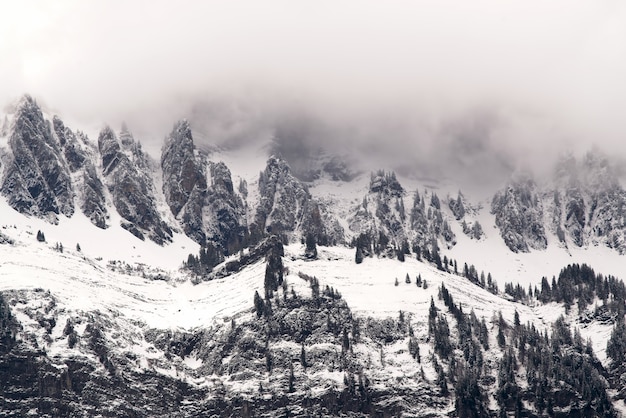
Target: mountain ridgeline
[
  {"x": 380, "y": 320},
  {"x": 49, "y": 170}
]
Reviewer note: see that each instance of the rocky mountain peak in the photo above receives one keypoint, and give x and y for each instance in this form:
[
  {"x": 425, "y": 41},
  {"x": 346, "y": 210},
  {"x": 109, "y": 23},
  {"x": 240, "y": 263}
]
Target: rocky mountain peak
[
  {"x": 182, "y": 171},
  {"x": 519, "y": 214},
  {"x": 37, "y": 180},
  {"x": 286, "y": 208},
  {"x": 109, "y": 148},
  {"x": 132, "y": 189}
]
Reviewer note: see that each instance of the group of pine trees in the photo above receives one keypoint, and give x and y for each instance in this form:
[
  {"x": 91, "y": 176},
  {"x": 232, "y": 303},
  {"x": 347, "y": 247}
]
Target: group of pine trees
[
  {"x": 209, "y": 256},
  {"x": 41, "y": 237},
  {"x": 545, "y": 370},
  {"x": 579, "y": 284}
]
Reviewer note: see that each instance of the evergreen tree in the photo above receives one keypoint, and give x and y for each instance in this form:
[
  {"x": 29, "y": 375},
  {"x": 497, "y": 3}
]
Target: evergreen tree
[
  {"x": 292, "y": 378},
  {"x": 616, "y": 345},
  {"x": 400, "y": 255},
  {"x": 259, "y": 305},
  {"x": 303, "y": 357},
  {"x": 358, "y": 258},
  {"x": 311, "y": 246}
]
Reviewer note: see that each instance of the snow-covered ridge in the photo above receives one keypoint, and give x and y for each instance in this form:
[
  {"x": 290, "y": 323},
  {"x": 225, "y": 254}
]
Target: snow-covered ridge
[{"x": 137, "y": 316}]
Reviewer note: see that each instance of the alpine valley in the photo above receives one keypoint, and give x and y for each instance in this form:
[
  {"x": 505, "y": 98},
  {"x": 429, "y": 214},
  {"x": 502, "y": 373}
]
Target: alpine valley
[{"x": 250, "y": 280}]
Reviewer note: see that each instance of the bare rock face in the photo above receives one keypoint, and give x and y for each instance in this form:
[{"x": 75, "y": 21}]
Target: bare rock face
[
  {"x": 182, "y": 171},
  {"x": 224, "y": 212},
  {"x": 389, "y": 223},
  {"x": 93, "y": 202},
  {"x": 286, "y": 208},
  {"x": 37, "y": 179},
  {"x": 282, "y": 199},
  {"x": 132, "y": 189},
  {"x": 589, "y": 202},
  {"x": 519, "y": 215},
  {"x": 80, "y": 159},
  {"x": 184, "y": 181},
  {"x": 209, "y": 210}
]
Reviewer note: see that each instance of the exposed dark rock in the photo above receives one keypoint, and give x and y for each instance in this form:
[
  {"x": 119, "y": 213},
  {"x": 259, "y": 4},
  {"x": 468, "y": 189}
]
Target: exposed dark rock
[
  {"x": 207, "y": 212},
  {"x": 93, "y": 198},
  {"x": 37, "y": 180},
  {"x": 182, "y": 172},
  {"x": 457, "y": 207},
  {"x": 74, "y": 154},
  {"x": 519, "y": 215},
  {"x": 89, "y": 187},
  {"x": 589, "y": 202},
  {"x": 286, "y": 207},
  {"x": 227, "y": 226},
  {"x": 132, "y": 190}
]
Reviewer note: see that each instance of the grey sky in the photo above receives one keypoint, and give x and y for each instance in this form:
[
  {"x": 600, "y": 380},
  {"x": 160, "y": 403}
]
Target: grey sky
[{"x": 413, "y": 71}]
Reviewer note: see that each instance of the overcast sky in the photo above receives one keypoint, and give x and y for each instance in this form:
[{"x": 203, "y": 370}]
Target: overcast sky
[{"x": 525, "y": 74}]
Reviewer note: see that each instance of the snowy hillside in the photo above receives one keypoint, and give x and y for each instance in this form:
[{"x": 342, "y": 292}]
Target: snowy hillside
[
  {"x": 223, "y": 281},
  {"x": 130, "y": 320}
]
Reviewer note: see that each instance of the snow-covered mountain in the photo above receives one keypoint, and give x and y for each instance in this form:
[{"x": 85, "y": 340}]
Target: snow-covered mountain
[{"x": 217, "y": 281}]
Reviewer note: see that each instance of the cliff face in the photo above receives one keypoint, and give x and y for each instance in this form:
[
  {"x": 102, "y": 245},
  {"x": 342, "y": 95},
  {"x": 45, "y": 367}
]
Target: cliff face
[
  {"x": 200, "y": 194},
  {"x": 286, "y": 208},
  {"x": 132, "y": 189},
  {"x": 519, "y": 215},
  {"x": 182, "y": 171},
  {"x": 37, "y": 179},
  {"x": 81, "y": 158},
  {"x": 583, "y": 204}
]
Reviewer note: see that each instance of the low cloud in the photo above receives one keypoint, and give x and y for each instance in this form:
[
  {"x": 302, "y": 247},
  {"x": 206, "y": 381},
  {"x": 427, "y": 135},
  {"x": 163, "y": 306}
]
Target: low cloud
[{"x": 496, "y": 82}]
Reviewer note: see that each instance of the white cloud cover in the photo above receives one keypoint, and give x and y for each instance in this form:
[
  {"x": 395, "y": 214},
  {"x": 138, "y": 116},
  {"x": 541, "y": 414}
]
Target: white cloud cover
[{"x": 546, "y": 72}]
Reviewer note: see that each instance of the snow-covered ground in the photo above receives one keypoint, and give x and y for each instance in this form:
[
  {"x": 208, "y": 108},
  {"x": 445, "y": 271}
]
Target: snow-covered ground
[
  {"x": 489, "y": 254},
  {"x": 82, "y": 283},
  {"x": 369, "y": 289},
  {"x": 113, "y": 243},
  {"x": 82, "y": 280}
]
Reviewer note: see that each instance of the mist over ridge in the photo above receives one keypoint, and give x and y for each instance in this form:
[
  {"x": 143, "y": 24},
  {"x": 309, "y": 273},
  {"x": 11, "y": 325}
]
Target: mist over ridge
[{"x": 469, "y": 90}]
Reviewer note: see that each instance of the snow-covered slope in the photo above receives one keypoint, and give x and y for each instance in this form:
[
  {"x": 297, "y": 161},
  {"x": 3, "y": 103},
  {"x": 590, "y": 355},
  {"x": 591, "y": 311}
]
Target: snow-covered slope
[
  {"x": 94, "y": 319},
  {"x": 152, "y": 321}
]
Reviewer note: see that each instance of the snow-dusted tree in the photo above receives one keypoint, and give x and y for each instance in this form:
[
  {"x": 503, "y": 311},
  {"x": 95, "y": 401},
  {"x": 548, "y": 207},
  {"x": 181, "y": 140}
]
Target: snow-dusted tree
[{"x": 311, "y": 247}]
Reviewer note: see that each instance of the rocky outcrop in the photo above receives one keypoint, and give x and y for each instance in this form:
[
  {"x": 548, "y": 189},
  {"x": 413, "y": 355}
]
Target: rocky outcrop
[
  {"x": 182, "y": 171},
  {"x": 132, "y": 190},
  {"x": 519, "y": 215},
  {"x": 93, "y": 200},
  {"x": 87, "y": 184},
  {"x": 589, "y": 202},
  {"x": 223, "y": 211},
  {"x": 457, "y": 207},
  {"x": 286, "y": 208},
  {"x": 72, "y": 150},
  {"x": 382, "y": 216},
  {"x": 37, "y": 179},
  {"x": 208, "y": 210}
]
